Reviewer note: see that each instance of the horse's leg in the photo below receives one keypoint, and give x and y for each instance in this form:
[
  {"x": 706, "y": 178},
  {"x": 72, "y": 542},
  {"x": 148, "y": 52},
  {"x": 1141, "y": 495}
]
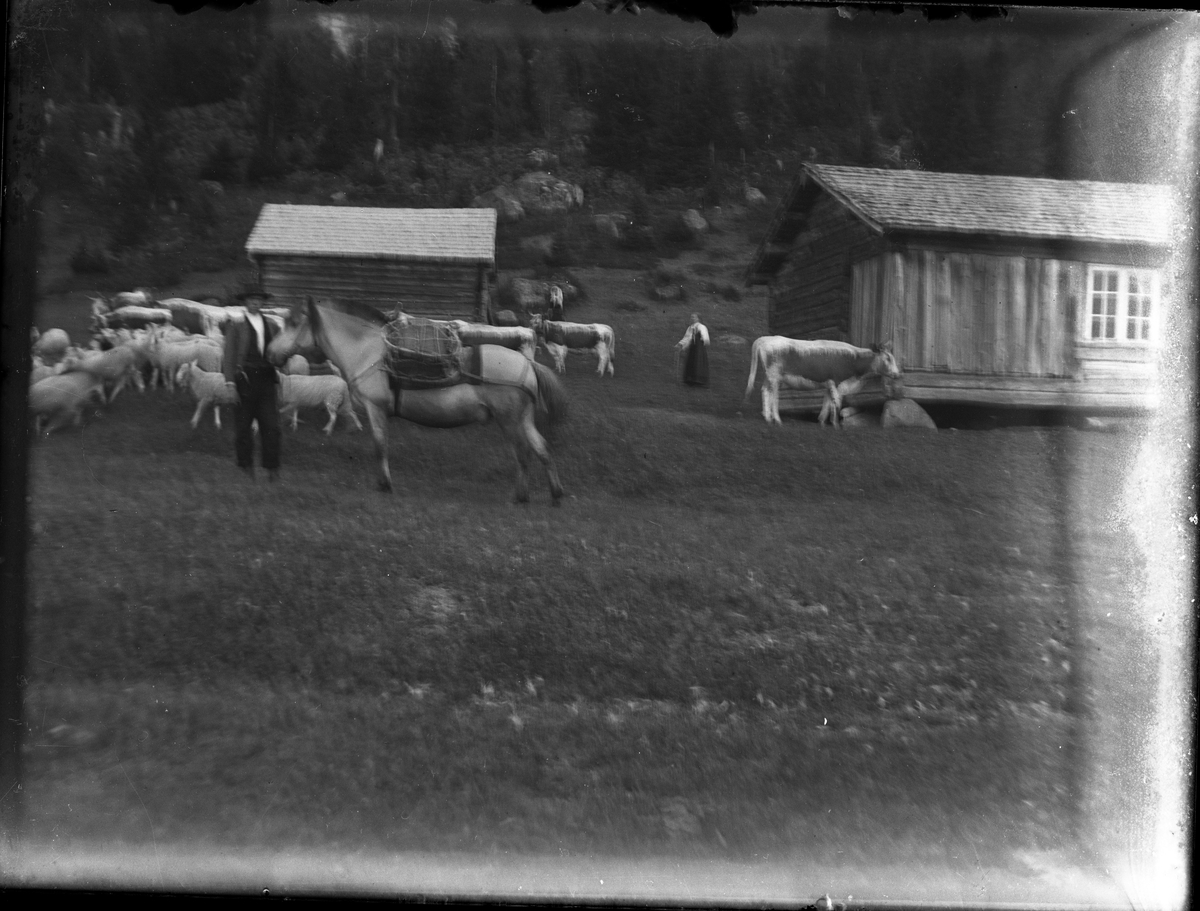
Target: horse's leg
[
  {"x": 377, "y": 418},
  {"x": 521, "y": 451},
  {"x": 531, "y": 439}
]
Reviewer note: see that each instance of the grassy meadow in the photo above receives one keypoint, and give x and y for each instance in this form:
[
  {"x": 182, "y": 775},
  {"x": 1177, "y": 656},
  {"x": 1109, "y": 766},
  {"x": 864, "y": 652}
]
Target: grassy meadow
[{"x": 732, "y": 642}]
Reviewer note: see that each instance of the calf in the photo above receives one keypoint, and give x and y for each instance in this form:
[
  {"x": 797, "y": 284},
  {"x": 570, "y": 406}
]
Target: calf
[
  {"x": 808, "y": 364},
  {"x": 559, "y": 338}
]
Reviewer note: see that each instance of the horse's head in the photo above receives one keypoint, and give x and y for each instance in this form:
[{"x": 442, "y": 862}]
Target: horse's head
[{"x": 295, "y": 334}]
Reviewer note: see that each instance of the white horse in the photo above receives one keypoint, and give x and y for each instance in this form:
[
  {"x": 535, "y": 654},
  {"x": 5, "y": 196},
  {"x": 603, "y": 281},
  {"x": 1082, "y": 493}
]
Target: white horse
[{"x": 504, "y": 386}]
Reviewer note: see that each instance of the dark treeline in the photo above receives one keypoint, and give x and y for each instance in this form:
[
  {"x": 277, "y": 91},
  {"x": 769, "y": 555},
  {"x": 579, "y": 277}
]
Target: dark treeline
[{"x": 142, "y": 103}]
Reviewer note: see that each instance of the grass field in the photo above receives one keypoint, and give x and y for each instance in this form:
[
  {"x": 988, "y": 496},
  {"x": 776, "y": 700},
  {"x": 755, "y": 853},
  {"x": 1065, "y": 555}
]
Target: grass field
[{"x": 732, "y": 642}]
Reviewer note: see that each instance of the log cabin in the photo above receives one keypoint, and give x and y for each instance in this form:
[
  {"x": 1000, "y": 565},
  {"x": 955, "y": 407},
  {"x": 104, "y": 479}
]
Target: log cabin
[
  {"x": 429, "y": 262},
  {"x": 998, "y": 291}
]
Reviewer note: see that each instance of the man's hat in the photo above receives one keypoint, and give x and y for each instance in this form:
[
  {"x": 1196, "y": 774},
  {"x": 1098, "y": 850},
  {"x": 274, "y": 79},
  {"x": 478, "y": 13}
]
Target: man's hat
[{"x": 253, "y": 291}]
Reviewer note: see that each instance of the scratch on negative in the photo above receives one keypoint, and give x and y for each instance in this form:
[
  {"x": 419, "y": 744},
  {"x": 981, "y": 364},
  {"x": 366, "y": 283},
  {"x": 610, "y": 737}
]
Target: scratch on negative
[{"x": 145, "y": 810}]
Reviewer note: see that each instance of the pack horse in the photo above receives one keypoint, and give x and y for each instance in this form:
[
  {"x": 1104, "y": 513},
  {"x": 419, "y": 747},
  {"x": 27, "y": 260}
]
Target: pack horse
[
  {"x": 813, "y": 364},
  {"x": 495, "y": 384}
]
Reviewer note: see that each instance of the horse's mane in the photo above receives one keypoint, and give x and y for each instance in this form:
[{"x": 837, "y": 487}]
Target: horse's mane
[{"x": 356, "y": 308}]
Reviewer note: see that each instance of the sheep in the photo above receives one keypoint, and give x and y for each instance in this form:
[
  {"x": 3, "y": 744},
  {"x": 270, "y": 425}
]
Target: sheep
[
  {"x": 168, "y": 358},
  {"x": 62, "y": 398},
  {"x": 114, "y": 367},
  {"x": 40, "y": 370},
  {"x": 51, "y": 346},
  {"x": 209, "y": 389},
  {"x": 296, "y": 392},
  {"x": 297, "y": 365}
]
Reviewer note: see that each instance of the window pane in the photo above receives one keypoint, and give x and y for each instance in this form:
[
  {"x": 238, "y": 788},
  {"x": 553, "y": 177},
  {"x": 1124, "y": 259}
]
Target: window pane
[
  {"x": 1133, "y": 283},
  {"x": 1112, "y": 281}
]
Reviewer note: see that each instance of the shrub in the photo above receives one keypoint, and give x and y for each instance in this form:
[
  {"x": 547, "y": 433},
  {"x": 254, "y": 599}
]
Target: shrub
[
  {"x": 223, "y": 164},
  {"x": 89, "y": 260}
]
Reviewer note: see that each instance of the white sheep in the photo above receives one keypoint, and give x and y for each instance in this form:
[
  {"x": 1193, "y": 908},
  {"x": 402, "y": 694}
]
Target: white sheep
[
  {"x": 51, "y": 346},
  {"x": 168, "y": 358},
  {"x": 114, "y": 368},
  {"x": 39, "y": 370},
  {"x": 296, "y": 392},
  {"x": 62, "y": 398},
  {"x": 297, "y": 365},
  {"x": 209, "y": 389}
]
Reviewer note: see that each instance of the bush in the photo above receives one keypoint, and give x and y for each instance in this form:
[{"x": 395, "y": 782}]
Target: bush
[
  {"x": 89, "y": 260},
  {"x": 222, "y": 164}
]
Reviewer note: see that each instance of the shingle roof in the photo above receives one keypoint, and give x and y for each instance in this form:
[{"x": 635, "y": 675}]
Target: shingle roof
[
  {"x": 1080, "y": 210},
  {"x": 436, "y": 235}
]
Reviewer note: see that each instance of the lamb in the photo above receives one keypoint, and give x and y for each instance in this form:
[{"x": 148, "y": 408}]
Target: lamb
[
  {"x": 62, "y": 398},
  {"x": 209, "y": 389},
  {"x": 114, "y": 368},
  {"x": 51, "y": 346},
  {"x": 40, "y": 370},
  {"x": 168, "y": 358},
  {"x": 297, "y": 365},
  {"x": 296, "y": 392}
]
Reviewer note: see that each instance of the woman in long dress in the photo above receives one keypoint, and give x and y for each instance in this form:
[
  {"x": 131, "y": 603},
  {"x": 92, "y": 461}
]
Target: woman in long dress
[{"x": 694, "y": 344}]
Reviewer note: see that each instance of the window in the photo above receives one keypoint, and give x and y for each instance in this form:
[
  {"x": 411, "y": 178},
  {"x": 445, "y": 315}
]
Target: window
[{"x": 1122, "y": 304}]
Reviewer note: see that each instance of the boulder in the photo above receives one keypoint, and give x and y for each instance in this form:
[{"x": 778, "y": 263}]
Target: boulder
[
  {"x": 508, "y": 207},
  {"x": 905, "y": 413},
  {"x": 613, "y": 225},
  {"x": 670, "y": 292},
  {"x": 860, "y": 419},
  {"x": 506, "y": 318},
  {"x": 755, "y": 197},
  {"x": 694, "y": 223},
  {"x": 542, "y": 244},
  {"x": 543, "y": 194},
  {"x": 529, "y": 295}
]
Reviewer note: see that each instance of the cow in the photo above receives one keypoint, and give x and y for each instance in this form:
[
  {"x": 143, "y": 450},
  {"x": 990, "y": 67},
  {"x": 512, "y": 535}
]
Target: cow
[
  {"x": 558, "y": 338},
  {"x": 808, "y": 364},
  {"x": 514, "y": 337}
]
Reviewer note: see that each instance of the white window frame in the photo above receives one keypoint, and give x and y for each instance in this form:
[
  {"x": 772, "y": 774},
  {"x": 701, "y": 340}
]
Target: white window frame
[{"x": 1121, "y": 310}]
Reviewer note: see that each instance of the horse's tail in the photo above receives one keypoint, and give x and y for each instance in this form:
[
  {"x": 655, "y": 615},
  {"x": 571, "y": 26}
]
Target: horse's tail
[
  {"x": 755, "y": 353},
  {"x": 551, "y": 394}
]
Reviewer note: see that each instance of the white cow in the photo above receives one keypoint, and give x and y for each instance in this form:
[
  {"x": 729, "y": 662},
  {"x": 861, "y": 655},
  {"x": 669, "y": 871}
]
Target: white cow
[
  {"x": 808, "y": 364},
  {"x": 559, "y": 338}
]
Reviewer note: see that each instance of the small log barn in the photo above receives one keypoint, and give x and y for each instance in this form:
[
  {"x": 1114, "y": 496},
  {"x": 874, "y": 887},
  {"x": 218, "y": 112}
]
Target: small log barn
[
  {"x": 429, "y": 262},
  {"x": 1004, "y": 291}
]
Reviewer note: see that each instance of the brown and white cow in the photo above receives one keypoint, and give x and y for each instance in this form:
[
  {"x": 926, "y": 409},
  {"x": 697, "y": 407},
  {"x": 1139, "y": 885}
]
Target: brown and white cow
[
  {"x": 809, "y": 364},
  {"x": 559, "y": 338}
]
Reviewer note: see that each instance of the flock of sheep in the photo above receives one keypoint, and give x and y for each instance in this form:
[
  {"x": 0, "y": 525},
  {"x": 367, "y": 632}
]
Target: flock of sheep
[{"x": 66, "y": 378}]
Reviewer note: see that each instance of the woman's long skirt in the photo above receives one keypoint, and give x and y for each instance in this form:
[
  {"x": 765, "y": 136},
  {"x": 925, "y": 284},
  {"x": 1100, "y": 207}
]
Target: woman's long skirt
[{"x": 695, "y": 368}]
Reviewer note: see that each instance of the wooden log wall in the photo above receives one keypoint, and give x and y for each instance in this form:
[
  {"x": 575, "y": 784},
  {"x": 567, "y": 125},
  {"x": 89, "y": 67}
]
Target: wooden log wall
[
  {"x": 972, "y": 312},
  {"x": 439, "y": 290},
  {"x": 809, "y": 296}
]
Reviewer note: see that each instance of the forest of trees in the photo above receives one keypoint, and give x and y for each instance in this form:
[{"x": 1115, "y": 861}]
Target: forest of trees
[{"x": 142, "y": 104}]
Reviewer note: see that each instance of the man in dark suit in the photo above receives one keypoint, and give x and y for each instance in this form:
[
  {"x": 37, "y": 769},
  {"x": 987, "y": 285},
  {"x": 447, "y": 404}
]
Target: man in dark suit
[{"x": 248, "y": 371}]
